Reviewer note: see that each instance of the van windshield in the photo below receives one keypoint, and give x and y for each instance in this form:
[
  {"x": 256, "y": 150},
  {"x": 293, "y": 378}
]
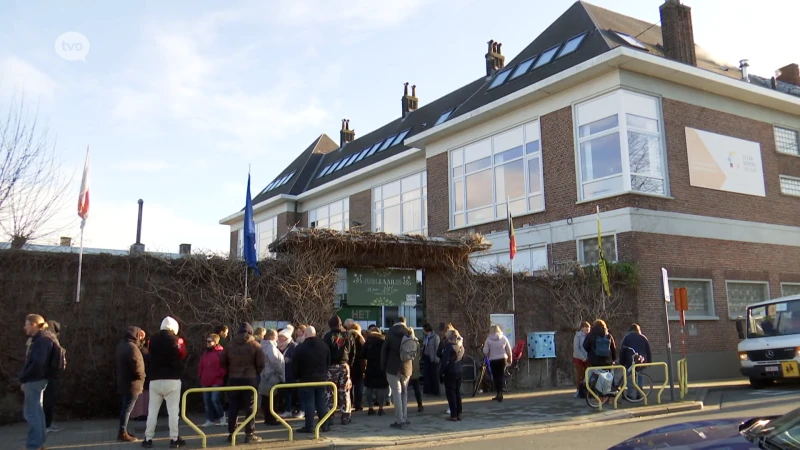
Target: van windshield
[{"x": 776, "y": 319}]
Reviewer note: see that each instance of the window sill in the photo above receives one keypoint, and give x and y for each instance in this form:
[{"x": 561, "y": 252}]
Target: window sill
[
  {"x": 644, "y": 194},
  {"x": 796, "y": 155},
  {"x": 693, "y": 318},
  {"x": 477, "y": 224}
]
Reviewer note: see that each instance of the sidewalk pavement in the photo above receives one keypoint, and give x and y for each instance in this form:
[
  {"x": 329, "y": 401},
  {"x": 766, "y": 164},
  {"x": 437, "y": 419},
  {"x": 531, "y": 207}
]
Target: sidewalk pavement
[{"x": 520, "y": 412}]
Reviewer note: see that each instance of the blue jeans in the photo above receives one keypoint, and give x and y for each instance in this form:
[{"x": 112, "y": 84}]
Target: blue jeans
[
  {"x": 632, "y": 392},
  {"x": 311, "y": 398},
  {"x": 287, "y": 399},
  {"x": 213, "y": 404},
  {"x": 33, "y": 411},
  {"x": 128, "y": 402}
]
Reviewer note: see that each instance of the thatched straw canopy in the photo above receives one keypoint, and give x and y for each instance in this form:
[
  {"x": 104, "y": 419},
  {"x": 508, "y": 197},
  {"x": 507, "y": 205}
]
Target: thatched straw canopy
[{"x": 381, "y": 250}]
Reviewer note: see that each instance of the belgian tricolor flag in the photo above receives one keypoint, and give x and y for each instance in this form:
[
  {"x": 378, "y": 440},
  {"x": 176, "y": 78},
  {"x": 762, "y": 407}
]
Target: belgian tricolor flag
[{"x": 512, "y": 239}]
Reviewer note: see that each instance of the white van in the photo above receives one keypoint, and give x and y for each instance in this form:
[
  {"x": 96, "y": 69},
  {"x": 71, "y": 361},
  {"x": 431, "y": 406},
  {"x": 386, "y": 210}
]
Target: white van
[{"x": 771, "y": 341}]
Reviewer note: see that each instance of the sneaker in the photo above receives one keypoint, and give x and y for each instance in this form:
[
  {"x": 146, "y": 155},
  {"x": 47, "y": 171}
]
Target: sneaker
[
  {"x": 300, "y": 415},
  {"x": 250, "y": 438},
  {"x": 224, "y": 420},
  {"x": 53, "y": 429},
  {"x": 286, "y": 415},
  {"x": 380, "y": 412},
  {"x": 448, "y": 411},
  {"x": 177, "y": 443},
  {"x": 397, "y": 425},
  {"x": 124, "y": 436},
  {"x": 208, "y": 424},
  {"x": 147, "y": 444}
]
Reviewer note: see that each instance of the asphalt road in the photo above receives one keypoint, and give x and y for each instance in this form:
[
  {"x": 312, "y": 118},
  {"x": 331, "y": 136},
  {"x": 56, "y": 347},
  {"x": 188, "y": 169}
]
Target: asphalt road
[{"x": 739, "y": 403}]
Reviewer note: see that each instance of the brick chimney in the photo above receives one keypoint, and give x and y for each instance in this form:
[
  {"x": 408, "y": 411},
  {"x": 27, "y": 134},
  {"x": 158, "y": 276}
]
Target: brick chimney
[
  {"x": 66, "y": 241},
  {"x": 409, "y": 102},
  {"x": 185, "y": 250},
  {"x": 677, "y": 33},
  {"x": 346, "y": 134},
  {"x": 789, "y": 74},
  {"x": 494, "y": 58}
]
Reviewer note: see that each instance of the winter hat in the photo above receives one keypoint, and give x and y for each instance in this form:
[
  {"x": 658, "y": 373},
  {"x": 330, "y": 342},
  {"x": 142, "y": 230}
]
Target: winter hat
[
  {"x": 287, "y": 332},
  {"x": 170, "y": 324},
  {"x": 245, "y": 328}
]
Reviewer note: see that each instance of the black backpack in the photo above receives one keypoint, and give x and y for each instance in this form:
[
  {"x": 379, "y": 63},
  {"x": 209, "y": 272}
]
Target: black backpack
[
  {"x": 58, "y": 360},
  {"x": 602, "y": 346}
]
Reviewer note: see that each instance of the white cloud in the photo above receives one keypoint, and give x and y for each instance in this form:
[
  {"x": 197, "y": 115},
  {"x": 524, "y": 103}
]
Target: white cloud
[
  {"x": 353, "y": 15},
  {"x": 141, "y": 166},
  {"x": 19, "y": 75}
]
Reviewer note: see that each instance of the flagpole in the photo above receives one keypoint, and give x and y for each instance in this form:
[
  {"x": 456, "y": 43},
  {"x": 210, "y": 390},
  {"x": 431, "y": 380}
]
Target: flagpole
[
  {"x": 513, "y": 297},
  {"x": 80, "y": 265},
  {"x": 246, "y": 293},
  {"x": 600, "y": 250}
]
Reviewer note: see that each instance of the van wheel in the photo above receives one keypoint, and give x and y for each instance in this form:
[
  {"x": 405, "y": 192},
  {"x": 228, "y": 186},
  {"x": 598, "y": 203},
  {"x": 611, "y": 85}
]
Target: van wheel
[{"x": 760, "y": 383}]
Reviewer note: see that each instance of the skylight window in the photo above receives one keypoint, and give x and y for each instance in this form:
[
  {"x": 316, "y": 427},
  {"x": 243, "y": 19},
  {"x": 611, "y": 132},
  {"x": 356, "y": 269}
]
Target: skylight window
[
  {"x": 362, "y": 154},
  {"x": 400, "y": 137},
  {"x": 325, "y": 171},
  {"x": 374, "y": 148},
  {"x": 631, "y": 40},
  {"x": 571, "y": 45},
  {"x": 546, "y": 57},
  {"x": 351, "y": 160},
  {"x": 500, "y": 78},
  {"x": 443, "y": 118},
  {"x": 387, "y": 144},
  {"x": 523, "y": 67},
  {"x": 340, "y": 165}
]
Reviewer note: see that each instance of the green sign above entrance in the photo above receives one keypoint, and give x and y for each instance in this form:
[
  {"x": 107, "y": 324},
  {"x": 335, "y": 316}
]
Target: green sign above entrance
[
  {"x": 381, "y": 287},
  {"x": 359, "y": 313}
]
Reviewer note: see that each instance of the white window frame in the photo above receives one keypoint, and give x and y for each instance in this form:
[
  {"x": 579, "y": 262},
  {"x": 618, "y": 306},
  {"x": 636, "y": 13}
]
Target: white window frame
[
  {"x": 259, "y": 230},
  {"x": 496, "y": 255},
  {"x": 594, "y": 237},
  {"x": 727, "y": 293},
  {"x": 796, "y": 135},
  {"x": 622, "y": 129},
  {"x": 787, "y": 284},
  {"x": 323, "y": 213},
  {"x": 788, "y": 178},
  {"x": 378, "y": 224},
  {"x": 496, "y": 202},
  {"x": 711, "y": 310}
]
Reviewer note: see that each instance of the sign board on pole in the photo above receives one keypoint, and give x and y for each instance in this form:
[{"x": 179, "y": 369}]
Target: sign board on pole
[
  {"x": 542, "y": 345},
  {"x": 665, "y": 280},
  {"x": 506, "y": 323}
]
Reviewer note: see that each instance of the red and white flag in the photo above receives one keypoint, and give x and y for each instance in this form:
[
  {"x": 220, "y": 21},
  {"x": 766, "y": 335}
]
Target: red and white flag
[{"x": 83, "y": 197}]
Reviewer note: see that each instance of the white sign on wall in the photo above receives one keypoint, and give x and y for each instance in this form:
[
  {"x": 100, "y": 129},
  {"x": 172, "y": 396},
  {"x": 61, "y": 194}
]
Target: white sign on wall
[
  {"x": 724, "y": 163},
  {"x": 506, "y": 323}
]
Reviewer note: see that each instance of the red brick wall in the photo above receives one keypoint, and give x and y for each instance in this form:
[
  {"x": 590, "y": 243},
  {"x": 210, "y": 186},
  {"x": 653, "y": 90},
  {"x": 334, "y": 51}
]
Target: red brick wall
[
  {"x": 361, "y": 209},
  {"x": 234, "y": 244},
  {"x": 287, "y": 220},
  {"x": 558, "y": 153},
  {"x": 711, "y": 259}
]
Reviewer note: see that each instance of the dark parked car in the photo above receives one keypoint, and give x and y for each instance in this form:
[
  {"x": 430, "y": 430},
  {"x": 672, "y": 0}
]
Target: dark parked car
[{"x": 772, "y": 433}]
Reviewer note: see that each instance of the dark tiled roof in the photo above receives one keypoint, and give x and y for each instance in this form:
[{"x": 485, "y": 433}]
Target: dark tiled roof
[{"x": 595, "y": 30}]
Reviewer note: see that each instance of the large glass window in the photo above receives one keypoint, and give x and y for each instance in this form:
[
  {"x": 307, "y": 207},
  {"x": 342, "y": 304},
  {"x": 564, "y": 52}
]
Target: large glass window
[
  {"x": 400, "y": 207},
  {"x": 526, "y": 260},
  {"x": 334, "y": 216},
  {"x": 786, "y": 141},
  {"x": 788, "y": 289},
  {"x": 743, "y": 293},
  {"x": 266, "y": 233},
  {"x": 504, "y": 168},
  {"x": 619, "y": 145},
  {"x": 700, "y": 295}
]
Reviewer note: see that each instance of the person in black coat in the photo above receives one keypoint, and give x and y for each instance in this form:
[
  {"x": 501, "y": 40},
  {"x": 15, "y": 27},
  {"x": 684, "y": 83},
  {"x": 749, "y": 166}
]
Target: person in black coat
[
  {"x": 130, "y": 377},
  {"x": 635, "y": 341},
  {"x": 311, "y": 361},
  {"x": 600, "y": 356},
  {"x": 375, "y": 380},
  {"x": 450, "y": 372},
  {"x": 53, "y": 383}
]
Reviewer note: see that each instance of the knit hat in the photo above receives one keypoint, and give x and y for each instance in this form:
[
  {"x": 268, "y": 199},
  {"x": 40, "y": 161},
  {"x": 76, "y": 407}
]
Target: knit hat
[
  {"x": 245, "y": 328},
  {"x": 170, "y": 324},
  {"x": 287, "y": 332},
  {"x": 335, "y": 323}
]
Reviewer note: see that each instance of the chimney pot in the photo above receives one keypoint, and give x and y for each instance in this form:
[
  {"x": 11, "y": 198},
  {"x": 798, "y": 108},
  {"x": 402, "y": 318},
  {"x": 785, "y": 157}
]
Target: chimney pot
[
  {"x": 789, "y": 74},
  {"x": 185, "y": 250},
  {"x": 346, "y": 134},
  {"x": 494, "y": 58},
  {"x": 409, "y": 102},
  {"x": 744, "y": 65},
  {"x": 677, "y": 32},
  {"x": 414, "y": 90}
]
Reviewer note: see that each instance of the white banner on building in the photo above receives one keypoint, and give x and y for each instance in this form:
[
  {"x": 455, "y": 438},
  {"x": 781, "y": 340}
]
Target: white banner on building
[{"x": 724, "y": 163}]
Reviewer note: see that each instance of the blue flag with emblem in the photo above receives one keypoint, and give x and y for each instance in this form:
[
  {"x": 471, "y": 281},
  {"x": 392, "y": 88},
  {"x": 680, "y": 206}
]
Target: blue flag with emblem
[{"x": 249, "y": 238}]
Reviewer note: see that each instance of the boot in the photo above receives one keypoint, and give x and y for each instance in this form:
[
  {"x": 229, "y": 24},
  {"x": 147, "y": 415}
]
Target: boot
[{"x": 124, "y": 436}]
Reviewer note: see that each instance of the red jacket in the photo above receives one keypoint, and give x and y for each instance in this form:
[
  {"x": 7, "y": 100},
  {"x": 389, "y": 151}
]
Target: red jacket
[{"x": 210, "y": 370}]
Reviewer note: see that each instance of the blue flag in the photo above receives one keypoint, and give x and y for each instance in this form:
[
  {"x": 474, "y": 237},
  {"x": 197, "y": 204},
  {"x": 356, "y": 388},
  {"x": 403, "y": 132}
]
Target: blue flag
[{"x": 249, "y": 250}]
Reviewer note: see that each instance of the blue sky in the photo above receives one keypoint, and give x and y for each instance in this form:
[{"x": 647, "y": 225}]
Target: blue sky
[{"x": 177, "y": 98}]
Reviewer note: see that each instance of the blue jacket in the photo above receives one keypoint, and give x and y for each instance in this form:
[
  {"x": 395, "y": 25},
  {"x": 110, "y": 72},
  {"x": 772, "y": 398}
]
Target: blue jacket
[
  {"x": 637, "y": 342},
  {"x": 451, "y": 359},
  {"x": 288, "y": 356},
  {"x": 38, "y": 360}
]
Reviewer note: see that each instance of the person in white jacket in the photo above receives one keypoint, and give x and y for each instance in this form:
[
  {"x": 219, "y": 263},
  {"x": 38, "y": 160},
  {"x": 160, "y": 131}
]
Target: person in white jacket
[
  {"x": 274, "y": 373},
  {"x": 498, "y": 350},
  {"x": 579, "y": 356}
]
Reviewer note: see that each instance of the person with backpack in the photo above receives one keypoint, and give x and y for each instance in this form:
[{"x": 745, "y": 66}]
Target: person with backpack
[
  {"x": 498, "y": 350},
  {"x": 34, "y": 376},
  {"x": 130, "y": 377},
  {"x": 398, "y": 370},
  {"x": 451, "y": 372},
  {"x": 58, "y": 365},
  {"x": 600, "y": 346},
  {"x": 343, "y": 354},
  {"x": 211, "y": 374}
]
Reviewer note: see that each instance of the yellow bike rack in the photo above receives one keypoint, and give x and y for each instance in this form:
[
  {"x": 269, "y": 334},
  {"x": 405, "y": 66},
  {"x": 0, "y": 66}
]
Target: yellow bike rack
[
  {"x": 302, "y": 385},
  {"x": 683, "y": 377},
  {"x": 621, "y": 389},
  {"x": 652, "y": 364},
  {"x": 220, "y": 389}
]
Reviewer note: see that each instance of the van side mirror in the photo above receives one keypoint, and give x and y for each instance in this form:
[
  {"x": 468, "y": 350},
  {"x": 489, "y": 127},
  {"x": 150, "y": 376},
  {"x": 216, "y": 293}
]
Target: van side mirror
[{"x": 740, "y": 327}]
